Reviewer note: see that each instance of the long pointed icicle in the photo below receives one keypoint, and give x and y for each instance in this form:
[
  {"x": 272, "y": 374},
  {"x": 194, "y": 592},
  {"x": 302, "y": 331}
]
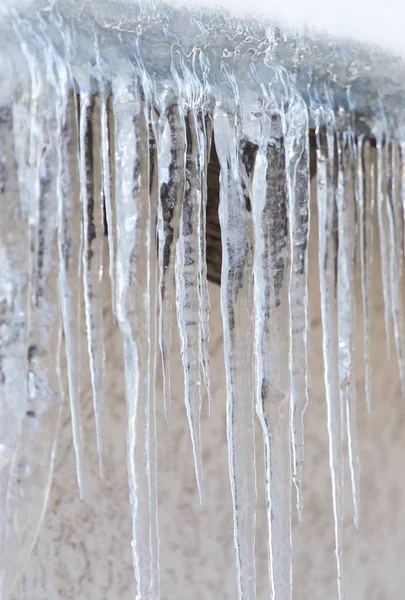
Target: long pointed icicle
[
  {"x": 30, "y": 317},
  {"x": 14, "y": 293},
  {"x": 365, "y": 195},
  {"x": 347, "y": 219},
  {"x": 107, "y": 189},
  {"x": 204, "y": 136},
  {"x": 151, "y": 302},
  {"x": 402, "y": 193},
  {"x": 93, "y": 229},
  {"x": 172, "y": 148},
  {"x": 69, "y": 223},
  {"x": 271, "y": 283},
  {"x": 298, "y": 179},
  {"x": 235, "y": 157},
  {"x": 187, "y": 289},
  {"x": 135, "y": 155},
  {"x": 328, "y": 247},
  {"x": 106, "y": 179},
  {"x": 395, "y": 262},
  {"x": 381, "y": 183}
]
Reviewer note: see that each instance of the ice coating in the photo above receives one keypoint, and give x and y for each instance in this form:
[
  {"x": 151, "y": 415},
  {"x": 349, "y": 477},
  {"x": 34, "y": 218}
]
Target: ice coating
[{"x": 106, "y": 127}]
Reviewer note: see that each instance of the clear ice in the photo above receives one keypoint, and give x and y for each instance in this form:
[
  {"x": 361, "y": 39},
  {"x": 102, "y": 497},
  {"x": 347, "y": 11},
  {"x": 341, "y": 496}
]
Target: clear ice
[{"x": 107, "y": 119}]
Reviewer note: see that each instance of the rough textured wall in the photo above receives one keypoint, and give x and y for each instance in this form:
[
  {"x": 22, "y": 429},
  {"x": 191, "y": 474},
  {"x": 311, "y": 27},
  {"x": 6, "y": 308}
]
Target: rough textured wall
[{"x": 83, "y": 551}]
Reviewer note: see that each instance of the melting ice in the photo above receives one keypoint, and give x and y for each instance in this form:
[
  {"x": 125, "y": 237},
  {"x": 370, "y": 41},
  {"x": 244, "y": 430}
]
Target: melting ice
[{"x": 106, "y": 125}]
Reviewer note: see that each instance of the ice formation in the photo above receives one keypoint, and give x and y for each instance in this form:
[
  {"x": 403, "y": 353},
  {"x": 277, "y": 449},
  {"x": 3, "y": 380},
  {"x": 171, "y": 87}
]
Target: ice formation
[{"x": 106, "y": 125}]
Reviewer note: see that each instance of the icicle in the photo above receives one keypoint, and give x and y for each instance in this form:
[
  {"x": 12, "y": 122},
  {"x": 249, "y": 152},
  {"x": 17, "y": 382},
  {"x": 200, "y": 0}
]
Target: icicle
[
  {"x": 69, "y": 224},
  {"x": 93, "y": 230},
  {"x": 204, "y": 137},
  {"x": 402, "y": 192},
  {"x": 188, "y": 284},
  {"x": 347, "y": 218},
  {"x": 328, "y": 249},
  {"x": 298, "y": 180},
  {"x": 30, "y": 317},
  {"x": 70, "y": 237},
  {"x": 236, "y": 158},
  {"x": 14, "y": 252},
  {"x": 140, "y": 155},
  {"x": 272, "y": 352},
  {"x": 107, "y": 189},
  {"x": 136, "y": 191},
  {"x": 106, "y": 178},
  {"x": 382, "y": 229},
  {"x": 172, "y": 147},
  {"x": 395, "y": 262},
  {"x": 365, "y": 195}
]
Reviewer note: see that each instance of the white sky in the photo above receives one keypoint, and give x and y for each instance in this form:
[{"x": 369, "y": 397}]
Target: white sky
[{"x": 378, "y": 21}]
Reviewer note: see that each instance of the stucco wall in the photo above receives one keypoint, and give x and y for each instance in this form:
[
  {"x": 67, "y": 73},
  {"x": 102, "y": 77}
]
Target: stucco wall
[{"x": 83, "y": 551}]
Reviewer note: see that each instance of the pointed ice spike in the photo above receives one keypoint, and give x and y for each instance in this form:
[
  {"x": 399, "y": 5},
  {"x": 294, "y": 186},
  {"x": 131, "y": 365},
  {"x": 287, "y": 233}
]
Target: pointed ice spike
[
  {"x": 106, "y": 179},
  {"x": 187, "y": 289},
  {"x": 93, "y": 230},
  {"x": 402, "y": 192},
  {"x": 69, "y": 225},
  {"x": 69, "y": 215},
  {"x": 395, "y": 254},
  {"x": 14, "y": 291},
  {"x": 153, "y": 341},
  {"x": 365, "y": 195},
  {"x": 204, "y": 137},
  {"x": 347, "y": 218},
  {"x": 136, "y": 200},
  {"x": 172, "y": 147},
  {"x": 382, "y": 149},
  {"x": 328, "y": 246},
  {"x": 272, "y": 352},
  {"x": 105, "y": 102},
  {"x": 297, "y": 150},
  {"x": 237, "y": 157},
  {"x": 30, "y": 402}
]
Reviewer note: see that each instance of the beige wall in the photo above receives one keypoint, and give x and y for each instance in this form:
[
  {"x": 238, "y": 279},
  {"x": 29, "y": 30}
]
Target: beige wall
[{"x": 83, "y": 551}]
